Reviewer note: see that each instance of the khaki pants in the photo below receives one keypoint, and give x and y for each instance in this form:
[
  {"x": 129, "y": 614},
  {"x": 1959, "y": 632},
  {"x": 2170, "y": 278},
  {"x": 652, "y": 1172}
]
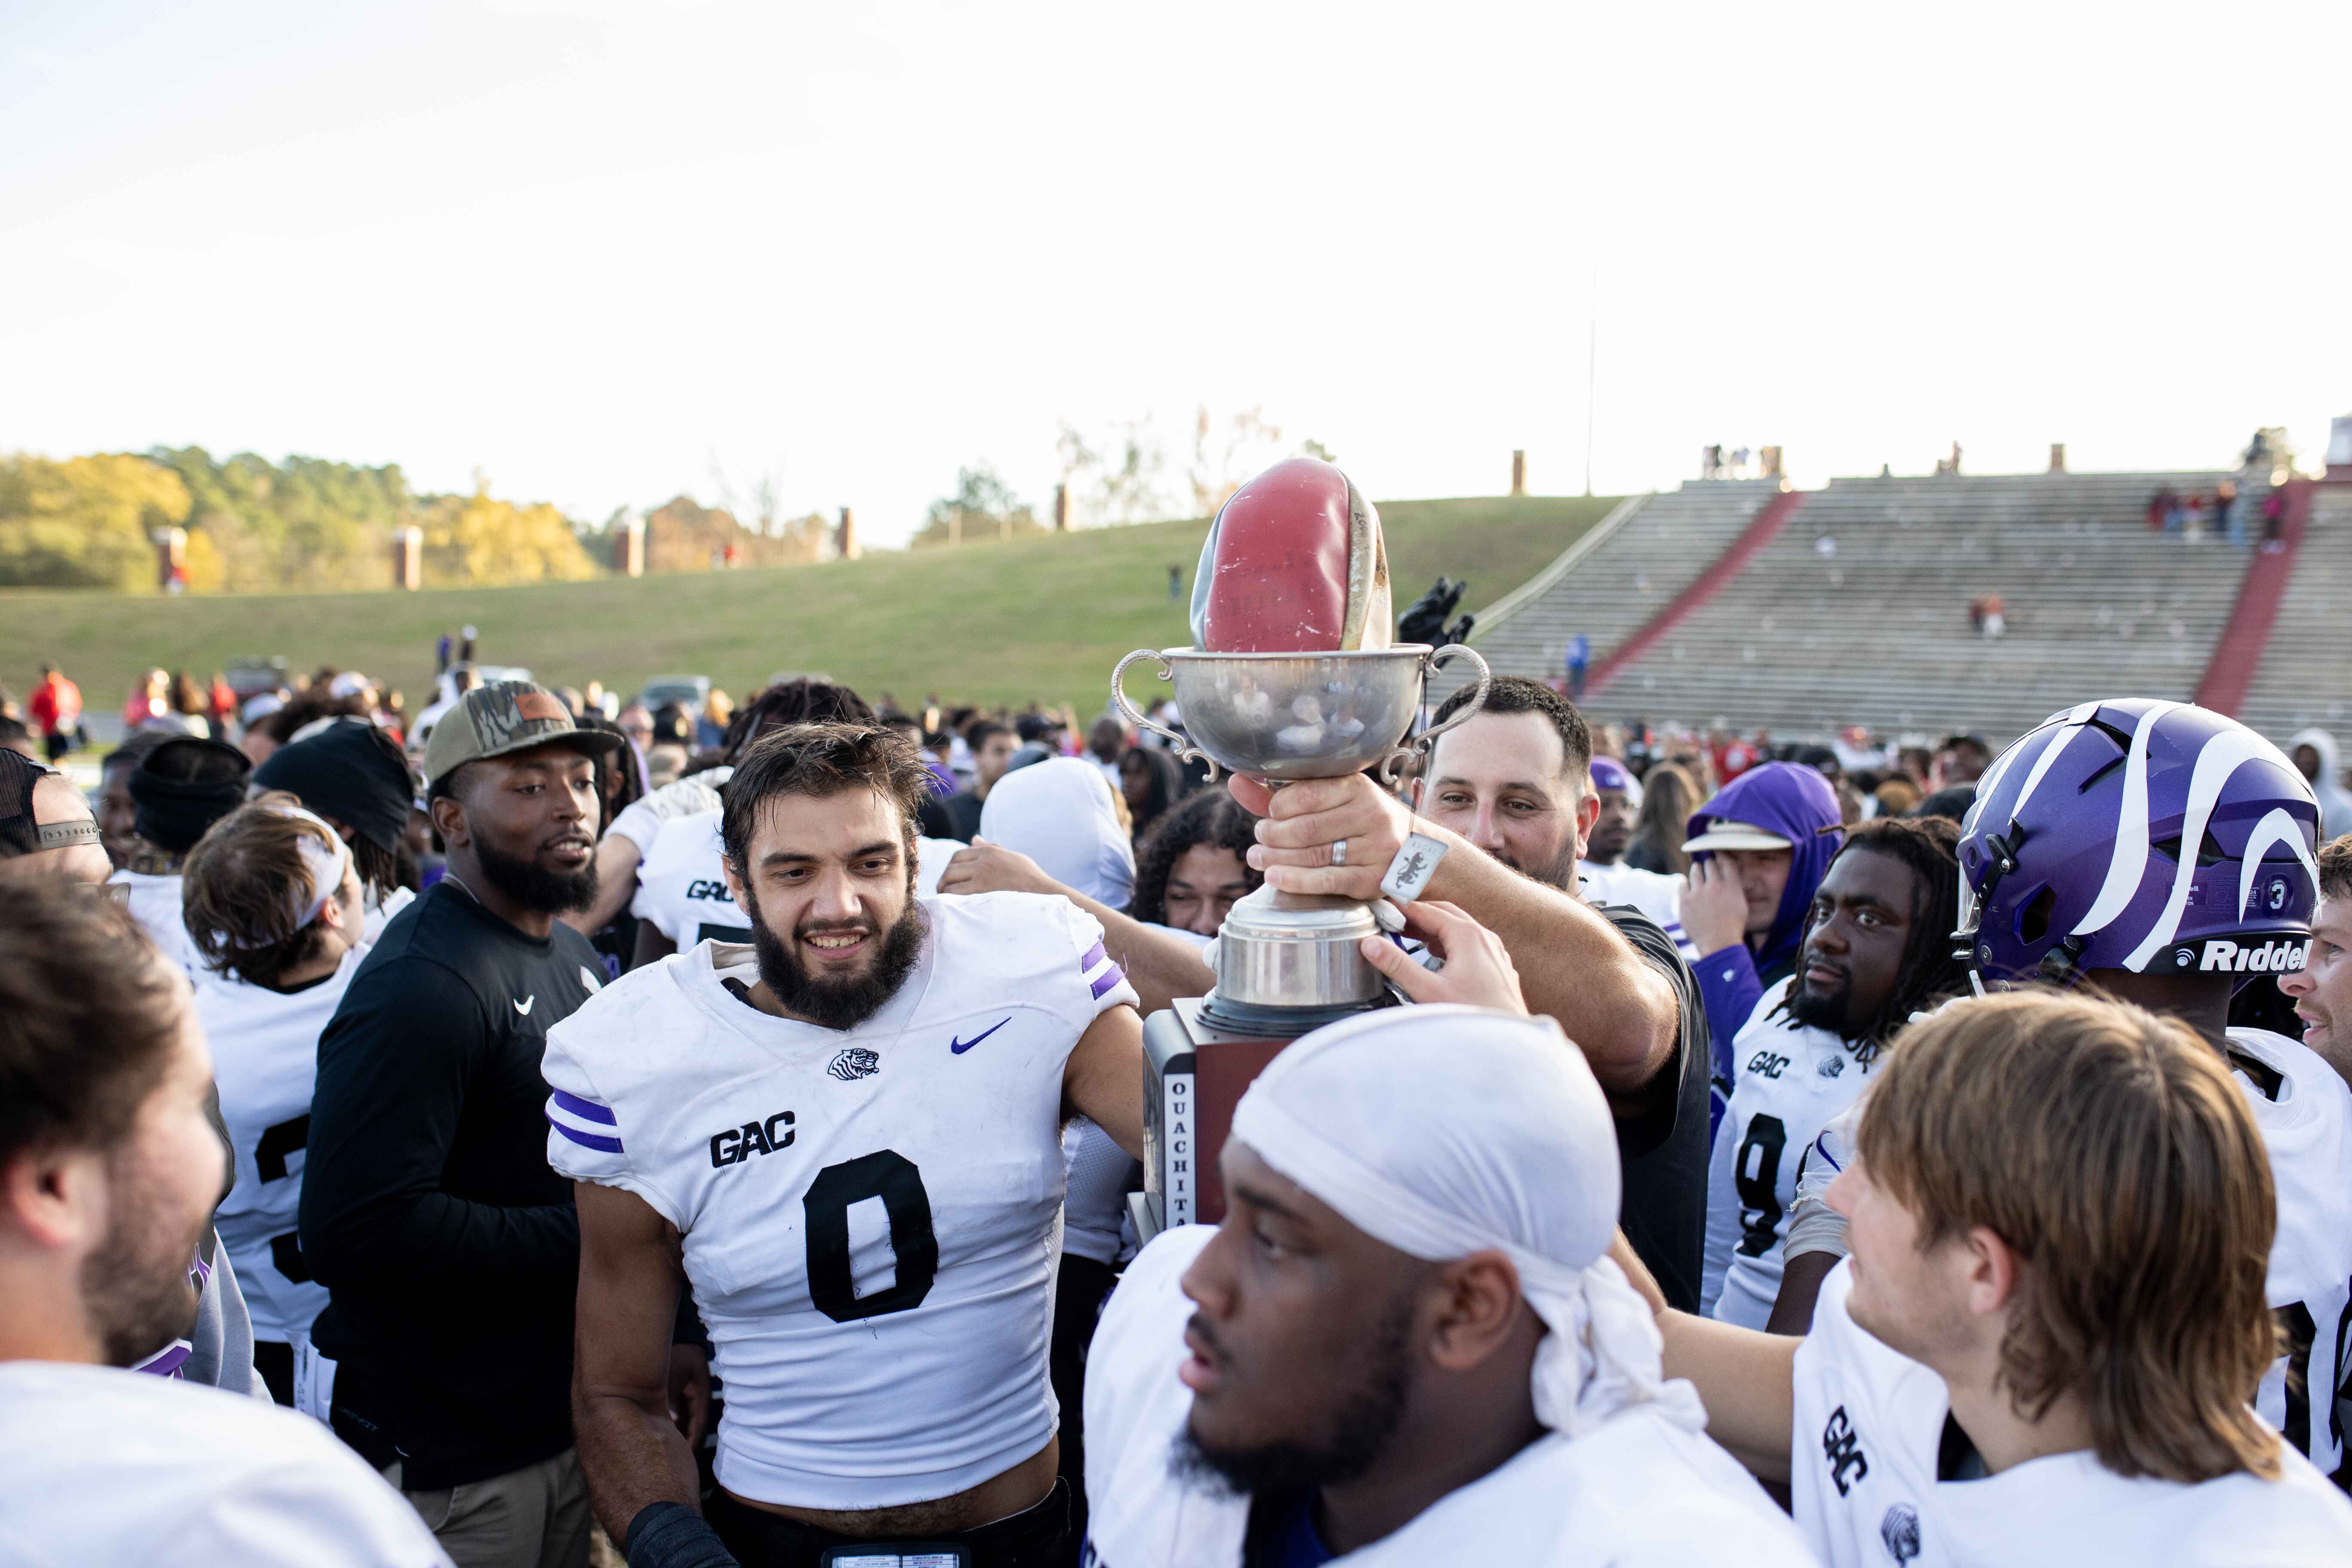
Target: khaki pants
[{"x": 536, "y": 1517}]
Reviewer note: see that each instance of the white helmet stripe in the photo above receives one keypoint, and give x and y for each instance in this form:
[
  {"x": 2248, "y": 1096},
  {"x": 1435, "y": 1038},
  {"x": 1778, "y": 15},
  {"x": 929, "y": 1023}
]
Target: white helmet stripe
[
  {"x": 2008, "y": 759},
  {"x": 2219, "y": 757},
  {"x": 2075, "y": 721},
  {"x": 2129, "y": 862},
  {"x": 2278, "y": 827}
]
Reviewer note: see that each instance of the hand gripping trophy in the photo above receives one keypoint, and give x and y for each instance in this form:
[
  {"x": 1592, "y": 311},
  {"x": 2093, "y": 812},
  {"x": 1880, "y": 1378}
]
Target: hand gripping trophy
[{"x": 1292, "y": 676}]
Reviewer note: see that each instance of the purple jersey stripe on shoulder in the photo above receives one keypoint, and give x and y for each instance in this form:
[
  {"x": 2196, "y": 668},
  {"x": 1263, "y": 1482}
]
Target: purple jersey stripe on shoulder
[
  {"x": 166, "y": 1362},
  {"x": 587, "y": 1140},
  {"x": 586, "y": 1110},
  {"x": 1094, "y": 956},
  {"x": 1110, "y": 977}
]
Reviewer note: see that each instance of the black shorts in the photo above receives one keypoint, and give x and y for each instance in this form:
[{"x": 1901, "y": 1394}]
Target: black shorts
[
  {"x": 56, "y": 745},
  {"x": 1038, "y": 1537}
]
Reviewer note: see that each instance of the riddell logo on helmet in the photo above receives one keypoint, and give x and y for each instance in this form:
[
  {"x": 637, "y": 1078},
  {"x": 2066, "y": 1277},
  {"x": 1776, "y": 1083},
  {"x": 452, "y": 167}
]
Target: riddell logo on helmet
[{"x": 2281, "y": 957}]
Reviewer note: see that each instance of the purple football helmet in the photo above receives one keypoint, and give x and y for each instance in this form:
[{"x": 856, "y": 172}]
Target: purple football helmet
[{"x": 2155, "y": 836}]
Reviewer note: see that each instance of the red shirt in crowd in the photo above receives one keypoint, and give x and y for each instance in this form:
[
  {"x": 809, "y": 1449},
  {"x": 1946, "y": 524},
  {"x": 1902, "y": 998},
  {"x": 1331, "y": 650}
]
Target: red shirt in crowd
[{"x": 56, "y": 705}]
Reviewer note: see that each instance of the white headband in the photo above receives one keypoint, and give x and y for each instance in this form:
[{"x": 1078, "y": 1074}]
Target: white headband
[
  {"x": 1446, "y": 1131},
  {"x": 325, "y": 866}
]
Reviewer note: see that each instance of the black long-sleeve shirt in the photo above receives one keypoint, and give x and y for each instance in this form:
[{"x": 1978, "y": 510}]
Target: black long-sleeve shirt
[
  {"x": 1662, "y": 1147},
  {"x": 449, "y": 1249}
]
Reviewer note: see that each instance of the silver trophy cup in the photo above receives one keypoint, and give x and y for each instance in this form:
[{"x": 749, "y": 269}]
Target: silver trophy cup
[{"x": 1287, "y": 962}]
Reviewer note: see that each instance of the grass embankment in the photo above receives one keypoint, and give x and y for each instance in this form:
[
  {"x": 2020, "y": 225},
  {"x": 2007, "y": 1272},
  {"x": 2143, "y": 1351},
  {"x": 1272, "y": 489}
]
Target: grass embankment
[{"x": 1042, "y": 619}]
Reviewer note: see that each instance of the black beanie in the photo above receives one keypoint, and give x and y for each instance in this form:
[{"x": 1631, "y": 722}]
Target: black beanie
[
  {"x": 174, "y": 812},
  {"x": 19, "y": 774},
  {"x": 351, "y": 772}
]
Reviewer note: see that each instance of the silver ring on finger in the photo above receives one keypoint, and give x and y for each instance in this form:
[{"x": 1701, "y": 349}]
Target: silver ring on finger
[{"x": 1338, "y": 852}]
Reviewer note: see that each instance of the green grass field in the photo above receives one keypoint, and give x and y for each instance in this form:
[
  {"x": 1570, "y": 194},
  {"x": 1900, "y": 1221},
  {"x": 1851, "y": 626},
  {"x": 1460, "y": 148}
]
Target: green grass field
[{"x": 1042, "y": 619}]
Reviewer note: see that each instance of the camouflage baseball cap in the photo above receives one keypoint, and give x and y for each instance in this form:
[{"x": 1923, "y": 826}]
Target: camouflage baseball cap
[{"x": 502, "y": 717}]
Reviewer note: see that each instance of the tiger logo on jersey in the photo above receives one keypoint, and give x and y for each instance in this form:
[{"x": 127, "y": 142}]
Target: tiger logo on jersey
[
  {"x": 853, "y": 1064},
  {"x": 1900, "y": 1531}
]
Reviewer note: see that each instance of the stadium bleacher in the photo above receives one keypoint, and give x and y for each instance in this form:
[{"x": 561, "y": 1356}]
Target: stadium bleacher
[
  {"x": 2299, "y": 682},
  {"x": 1858, "y": 611},
  {"x": 1609, "y": 584}
]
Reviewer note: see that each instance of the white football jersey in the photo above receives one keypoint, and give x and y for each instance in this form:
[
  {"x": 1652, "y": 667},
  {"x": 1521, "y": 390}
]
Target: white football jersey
[
  {"x": 1636, "y": 1490},
  {"x": 381, "y": 912},
  {"x": 264, "y": 1048},
  {"x": 1790, "y": 1082},
  {"x": 2305, "y": 1114},
  {"x": 1871, "y": 1446},
  {"x": 682, "y": 881},
  {"x": 1654, "y": 893},
  {"x": 871, "y": 1217},
  {"x": 105, "y": 1468},
  {"x": 640, "y": 820},
  {"x": 156, "y": 902}
]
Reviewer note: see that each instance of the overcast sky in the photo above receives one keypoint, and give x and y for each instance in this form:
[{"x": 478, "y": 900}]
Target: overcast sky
[{"x": 594, "y": 249}]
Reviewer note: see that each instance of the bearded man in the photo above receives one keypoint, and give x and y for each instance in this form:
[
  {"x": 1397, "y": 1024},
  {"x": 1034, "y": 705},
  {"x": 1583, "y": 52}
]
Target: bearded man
[
  {"x": 845, "y": 1135},
  {"x": 450, "y": 1251},
  {"x": 110, "y": 1167},
  {"x": 1403, "y": 1348}
]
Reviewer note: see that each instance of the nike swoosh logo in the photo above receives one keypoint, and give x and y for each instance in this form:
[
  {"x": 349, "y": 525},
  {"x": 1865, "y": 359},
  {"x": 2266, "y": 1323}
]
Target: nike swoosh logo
[
  {"x": 525, "y": 1006},
  {"x": 958, "y": 1048}
]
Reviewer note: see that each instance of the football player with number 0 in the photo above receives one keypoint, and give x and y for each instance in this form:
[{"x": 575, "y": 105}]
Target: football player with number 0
[{"x": 847, "y": 1135}]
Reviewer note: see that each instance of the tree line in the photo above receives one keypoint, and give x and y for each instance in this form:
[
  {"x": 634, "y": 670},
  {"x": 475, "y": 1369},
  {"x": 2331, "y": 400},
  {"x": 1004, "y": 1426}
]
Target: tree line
[
  {"x": 253, "y": 525},
  {"x": 310, "y": 524}
]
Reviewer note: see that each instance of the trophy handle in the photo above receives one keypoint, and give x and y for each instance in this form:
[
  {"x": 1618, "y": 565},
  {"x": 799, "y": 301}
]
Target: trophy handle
[
  {"x": 1392, "y": 765},
  {"x": 1185, "y": 750}
]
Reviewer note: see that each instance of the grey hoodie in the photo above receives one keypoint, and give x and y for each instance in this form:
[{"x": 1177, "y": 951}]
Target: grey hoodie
[
  {"x": 2335, "y": 801},
  {"x": 218, "y": 1351}
]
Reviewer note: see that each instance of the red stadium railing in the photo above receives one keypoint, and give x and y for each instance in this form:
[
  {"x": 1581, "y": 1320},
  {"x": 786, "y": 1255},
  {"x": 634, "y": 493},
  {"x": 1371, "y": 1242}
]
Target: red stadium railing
[
  {"x": 2230, "y": 673},
  {"x": 1761, "y": 531}
]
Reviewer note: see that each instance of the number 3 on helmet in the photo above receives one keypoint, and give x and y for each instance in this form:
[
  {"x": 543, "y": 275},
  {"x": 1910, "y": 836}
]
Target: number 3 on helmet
[{"x": 2136, "y": 834}]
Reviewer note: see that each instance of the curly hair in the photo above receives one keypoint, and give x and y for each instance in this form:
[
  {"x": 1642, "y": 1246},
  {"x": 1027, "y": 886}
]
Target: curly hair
[
  {"x": 800, "y": 701},
  {"x": 1208, "y": 815},
  {"x": 1928, "y": 974}
]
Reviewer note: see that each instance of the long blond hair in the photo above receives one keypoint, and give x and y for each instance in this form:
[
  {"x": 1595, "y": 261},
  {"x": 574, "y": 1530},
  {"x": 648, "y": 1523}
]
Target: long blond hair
[{"x": 2109, "y": 1148}]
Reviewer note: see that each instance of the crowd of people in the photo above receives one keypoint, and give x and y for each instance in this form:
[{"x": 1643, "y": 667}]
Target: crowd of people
[
  {"x": 700, "y": 1133},
  {"x": 2225, "y": 511}
]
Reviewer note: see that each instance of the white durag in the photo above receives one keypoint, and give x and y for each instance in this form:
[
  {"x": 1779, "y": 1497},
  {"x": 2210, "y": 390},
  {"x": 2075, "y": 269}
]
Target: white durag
[
  {"x": 1446, "y": 1131},
  {"x": 1059, "y": 814}
]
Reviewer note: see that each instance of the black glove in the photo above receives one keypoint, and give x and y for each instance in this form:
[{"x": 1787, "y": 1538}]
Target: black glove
[
  {"x": 1425, "y": 621},
  {"x": 1458, "y": 632},
  {"x": 672, "y": 1535}
]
